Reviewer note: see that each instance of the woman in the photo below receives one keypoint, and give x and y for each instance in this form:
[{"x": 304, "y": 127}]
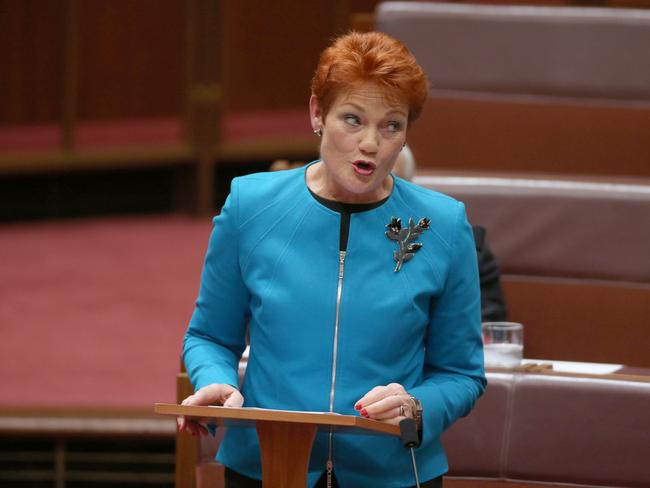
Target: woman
[{"x": 349, "y": 309}]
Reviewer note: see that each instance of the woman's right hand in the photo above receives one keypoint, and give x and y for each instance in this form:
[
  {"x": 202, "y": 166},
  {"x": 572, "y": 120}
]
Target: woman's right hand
[{"x": 215, "y": 394}]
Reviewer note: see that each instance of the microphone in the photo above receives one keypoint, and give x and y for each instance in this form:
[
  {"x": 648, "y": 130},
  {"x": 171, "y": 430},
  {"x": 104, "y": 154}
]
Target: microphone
[{"x": 408, "y": 433}]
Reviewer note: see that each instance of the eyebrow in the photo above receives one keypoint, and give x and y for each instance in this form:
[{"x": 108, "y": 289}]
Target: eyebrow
[{"x": 361, "y": 109}]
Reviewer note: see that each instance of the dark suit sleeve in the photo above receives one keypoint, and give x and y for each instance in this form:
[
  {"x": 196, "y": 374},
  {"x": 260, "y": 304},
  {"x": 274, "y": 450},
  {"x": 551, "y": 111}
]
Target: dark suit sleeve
[{"x": 493, "y": 307}]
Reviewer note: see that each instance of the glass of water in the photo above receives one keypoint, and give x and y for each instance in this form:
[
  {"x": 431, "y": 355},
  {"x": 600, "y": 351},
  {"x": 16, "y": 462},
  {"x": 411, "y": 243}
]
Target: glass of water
[{"x": 503, "y": 344}]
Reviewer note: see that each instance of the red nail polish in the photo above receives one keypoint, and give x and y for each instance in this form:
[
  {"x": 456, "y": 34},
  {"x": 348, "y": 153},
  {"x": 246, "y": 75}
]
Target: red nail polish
[
  {"x": 357, "y": 406},
  {"x": 364, "y": 412}
]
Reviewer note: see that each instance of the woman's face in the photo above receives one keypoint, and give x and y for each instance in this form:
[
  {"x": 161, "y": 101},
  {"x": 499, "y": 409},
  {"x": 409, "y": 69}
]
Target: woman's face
[{"x": 362, "y": 135}]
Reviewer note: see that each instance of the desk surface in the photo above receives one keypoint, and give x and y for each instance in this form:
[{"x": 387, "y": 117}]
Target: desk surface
[{"x": 580, "y": 369}]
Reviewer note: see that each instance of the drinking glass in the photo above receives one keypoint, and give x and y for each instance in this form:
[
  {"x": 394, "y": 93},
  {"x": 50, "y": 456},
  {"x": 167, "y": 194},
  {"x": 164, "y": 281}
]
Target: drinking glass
[{"x": 503, "y": 344}]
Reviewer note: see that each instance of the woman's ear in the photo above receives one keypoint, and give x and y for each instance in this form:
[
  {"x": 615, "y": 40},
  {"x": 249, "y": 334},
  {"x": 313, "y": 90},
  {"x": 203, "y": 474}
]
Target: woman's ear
[{"x": 315, "y": 113}]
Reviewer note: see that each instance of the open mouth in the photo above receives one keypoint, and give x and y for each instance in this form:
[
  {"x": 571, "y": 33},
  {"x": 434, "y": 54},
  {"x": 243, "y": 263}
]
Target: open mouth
[{"x": 365, "y": 168}]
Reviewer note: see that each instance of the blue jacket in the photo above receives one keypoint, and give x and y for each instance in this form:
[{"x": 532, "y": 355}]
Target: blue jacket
[{"x": 273, "y": 263}]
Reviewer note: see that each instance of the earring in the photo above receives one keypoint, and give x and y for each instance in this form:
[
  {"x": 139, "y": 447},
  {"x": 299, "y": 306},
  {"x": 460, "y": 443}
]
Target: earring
[{"x": 318, "y": 132}]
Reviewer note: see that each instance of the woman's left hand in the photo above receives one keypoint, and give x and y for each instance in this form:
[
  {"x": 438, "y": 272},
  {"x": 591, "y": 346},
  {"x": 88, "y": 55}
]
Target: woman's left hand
[{"x": 390, "y": 403}]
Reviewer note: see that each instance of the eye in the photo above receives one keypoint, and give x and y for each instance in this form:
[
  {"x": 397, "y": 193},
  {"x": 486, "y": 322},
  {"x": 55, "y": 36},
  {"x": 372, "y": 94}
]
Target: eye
[
  {"x": 394, "y": 126},
  {"x": 352, "y": 119}
]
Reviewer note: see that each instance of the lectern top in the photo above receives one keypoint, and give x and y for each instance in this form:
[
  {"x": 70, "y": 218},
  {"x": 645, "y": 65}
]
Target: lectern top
[{"x": 250, "y": 416}]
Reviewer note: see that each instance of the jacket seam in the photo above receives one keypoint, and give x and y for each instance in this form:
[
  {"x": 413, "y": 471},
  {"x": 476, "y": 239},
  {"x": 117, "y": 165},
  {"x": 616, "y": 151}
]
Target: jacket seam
[
  {"x": 247, "y": 259},
  {"x": 284, "y": 250}
]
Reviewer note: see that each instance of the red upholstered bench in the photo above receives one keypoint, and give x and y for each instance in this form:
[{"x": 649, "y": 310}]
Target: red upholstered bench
[
  {"x": 107, "y": 144},
  {"x": 37, "y": 138},
  {"x": 575, "y": 258},
  {"x": 542, "y": 430},
  {"x": 266, "y": 134}
]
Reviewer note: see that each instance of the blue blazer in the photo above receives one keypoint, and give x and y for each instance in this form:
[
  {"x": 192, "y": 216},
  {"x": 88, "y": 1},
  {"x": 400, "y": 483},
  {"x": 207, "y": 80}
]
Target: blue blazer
[{"x": 273, "y": 265}]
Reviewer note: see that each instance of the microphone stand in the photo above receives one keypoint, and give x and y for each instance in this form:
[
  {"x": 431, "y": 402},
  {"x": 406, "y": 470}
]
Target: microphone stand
[{"x": 410, "y": 440}]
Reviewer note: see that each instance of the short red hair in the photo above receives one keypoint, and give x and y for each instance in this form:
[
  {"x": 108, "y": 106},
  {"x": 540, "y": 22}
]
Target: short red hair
[{"x": 356, "y": 58}]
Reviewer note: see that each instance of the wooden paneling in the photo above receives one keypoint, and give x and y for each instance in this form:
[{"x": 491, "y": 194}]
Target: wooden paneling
[
  {"x": 581, "y": 320},
  {"x": 187, "y": 446},
  {"x": 31, "y": 61},
  {"x": 274, "y": 49},
  {"x": 541, "y": 135},
  {"x": 131, "y": 55},
  {"x": 130, "y": 58}
]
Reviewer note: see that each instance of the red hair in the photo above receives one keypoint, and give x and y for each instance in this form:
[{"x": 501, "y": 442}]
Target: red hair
[{"x": 357, "y": 58}]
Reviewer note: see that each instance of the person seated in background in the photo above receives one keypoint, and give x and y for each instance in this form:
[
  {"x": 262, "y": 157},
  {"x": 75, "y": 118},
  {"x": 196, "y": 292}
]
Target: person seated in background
[{"x": 493, "y": 305}]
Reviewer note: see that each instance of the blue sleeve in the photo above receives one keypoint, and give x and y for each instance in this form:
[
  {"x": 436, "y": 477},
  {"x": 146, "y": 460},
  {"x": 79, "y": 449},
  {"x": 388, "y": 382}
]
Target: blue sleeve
[
  {"x": 454, "y": 376},
  {"x": 216, "y": 336}
]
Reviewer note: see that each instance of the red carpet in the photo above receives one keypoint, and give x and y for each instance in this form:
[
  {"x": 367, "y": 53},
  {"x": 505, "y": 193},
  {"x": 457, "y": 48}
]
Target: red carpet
[{"x": 92, "y": 312}]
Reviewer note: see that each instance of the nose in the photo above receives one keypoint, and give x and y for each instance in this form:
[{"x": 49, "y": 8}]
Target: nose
[{"x": 369, "y": 141}]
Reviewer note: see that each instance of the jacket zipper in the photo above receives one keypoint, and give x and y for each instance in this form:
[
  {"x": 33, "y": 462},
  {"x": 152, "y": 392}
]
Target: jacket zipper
[{"x": 339, "y": 290}]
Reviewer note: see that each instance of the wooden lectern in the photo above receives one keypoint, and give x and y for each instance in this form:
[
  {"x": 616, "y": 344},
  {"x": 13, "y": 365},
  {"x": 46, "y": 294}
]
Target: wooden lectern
[{"x": 286, "y": 437}]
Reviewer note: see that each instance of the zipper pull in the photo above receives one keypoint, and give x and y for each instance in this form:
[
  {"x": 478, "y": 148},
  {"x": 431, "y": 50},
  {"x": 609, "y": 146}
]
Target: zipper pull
[
  {"x": 341, "y": 263},
  {"x": 330, "y": 468}
]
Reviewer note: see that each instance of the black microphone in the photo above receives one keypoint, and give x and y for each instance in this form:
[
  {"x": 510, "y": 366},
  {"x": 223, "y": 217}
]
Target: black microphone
[{"x": 408, "y": 432}]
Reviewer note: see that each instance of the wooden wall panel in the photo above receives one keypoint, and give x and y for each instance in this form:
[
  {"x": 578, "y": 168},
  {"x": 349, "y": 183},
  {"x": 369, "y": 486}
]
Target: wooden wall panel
[
  {"x": 498, "y": 133},
  {"x": 274, "y": 49},
  {"x": 131, "y": 60},
  {"x": 581, "y": 320},
  {"x": 31, "y": 61}
]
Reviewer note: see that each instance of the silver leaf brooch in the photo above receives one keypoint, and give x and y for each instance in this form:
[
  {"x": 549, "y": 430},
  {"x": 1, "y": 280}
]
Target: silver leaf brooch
[{"x": 405, "y": 239}]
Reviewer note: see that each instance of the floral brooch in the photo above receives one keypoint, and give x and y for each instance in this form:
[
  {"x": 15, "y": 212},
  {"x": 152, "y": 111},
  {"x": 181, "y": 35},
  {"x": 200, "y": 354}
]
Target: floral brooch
[{"x": 405, "y": 238}]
